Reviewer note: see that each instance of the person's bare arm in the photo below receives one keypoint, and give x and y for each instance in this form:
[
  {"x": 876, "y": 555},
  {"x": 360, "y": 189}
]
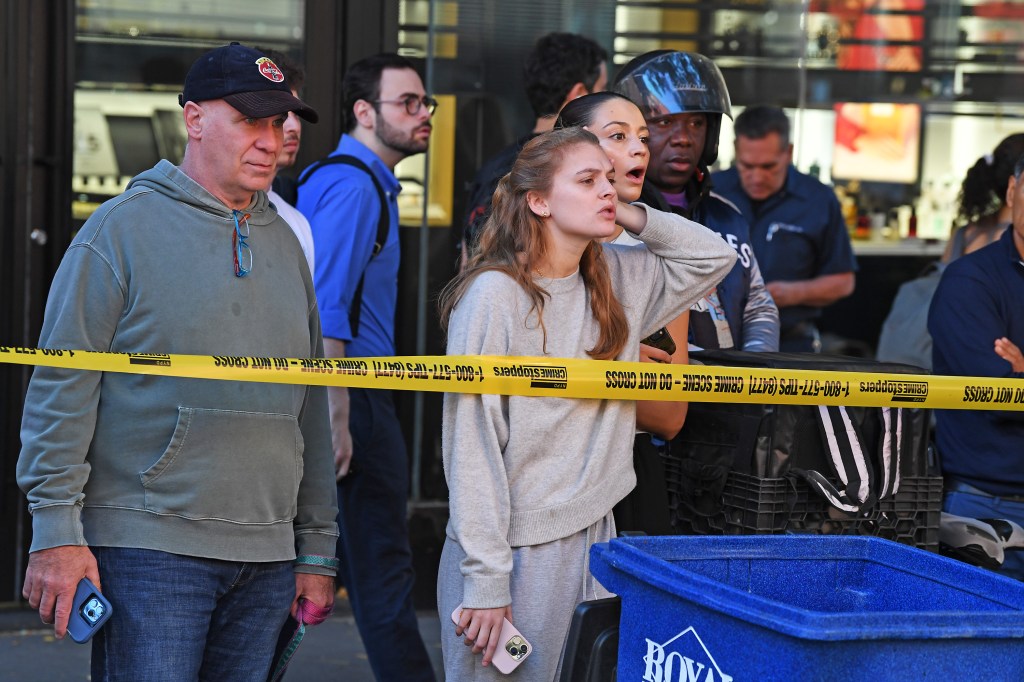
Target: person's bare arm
[
  {"x": 818, "y": 291},
  {"x": 337, "y": 398},
  {"x": 630, "y": 217},
  {"x": 664, "y": 418}
]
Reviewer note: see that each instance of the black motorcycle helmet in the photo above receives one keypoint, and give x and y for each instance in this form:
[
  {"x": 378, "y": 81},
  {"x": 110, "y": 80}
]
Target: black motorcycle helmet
[{"x": 665, "y": 82}]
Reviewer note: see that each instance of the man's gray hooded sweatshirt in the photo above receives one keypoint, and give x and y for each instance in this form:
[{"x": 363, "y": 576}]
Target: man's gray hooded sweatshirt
[{"x": 231, "y": 470}]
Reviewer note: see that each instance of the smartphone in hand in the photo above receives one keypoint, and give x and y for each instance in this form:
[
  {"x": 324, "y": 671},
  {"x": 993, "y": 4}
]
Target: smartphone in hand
[
  {"x": 661, "y": 339},
  {"x": 89, "y": 612},
  {"x": 512, "y": 646}
]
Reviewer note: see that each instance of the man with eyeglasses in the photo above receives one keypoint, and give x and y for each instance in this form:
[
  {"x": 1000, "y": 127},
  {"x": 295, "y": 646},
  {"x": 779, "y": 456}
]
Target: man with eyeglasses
[
  {"x": 351, "y": 200},
  {"x": 203, "y": 510}
]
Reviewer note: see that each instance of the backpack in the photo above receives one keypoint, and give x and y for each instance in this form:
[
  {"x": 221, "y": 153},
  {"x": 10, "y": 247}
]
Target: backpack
[{"x": 383, "y": 226}]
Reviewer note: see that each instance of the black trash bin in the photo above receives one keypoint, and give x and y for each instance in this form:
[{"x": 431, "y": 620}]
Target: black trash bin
[{"x": 592, "y": 647}]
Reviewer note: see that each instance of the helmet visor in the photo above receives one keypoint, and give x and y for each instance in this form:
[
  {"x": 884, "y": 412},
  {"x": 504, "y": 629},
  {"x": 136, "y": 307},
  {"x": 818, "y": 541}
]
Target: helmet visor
[{"x": 676, "y": 83}]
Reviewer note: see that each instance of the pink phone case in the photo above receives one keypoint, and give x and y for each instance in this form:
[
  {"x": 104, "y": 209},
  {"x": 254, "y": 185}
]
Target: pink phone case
[{"x": 512, "y": 647}]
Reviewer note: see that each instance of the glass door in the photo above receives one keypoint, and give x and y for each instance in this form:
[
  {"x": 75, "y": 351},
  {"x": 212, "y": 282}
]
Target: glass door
[{"x": 131, "y": 57}]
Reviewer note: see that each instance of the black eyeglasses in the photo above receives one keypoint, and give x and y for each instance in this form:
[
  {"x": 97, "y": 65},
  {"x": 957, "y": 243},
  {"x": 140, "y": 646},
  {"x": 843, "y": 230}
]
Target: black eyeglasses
[
  {"x": 240, "y": 244},
  {"x": 413, "y": 104}
]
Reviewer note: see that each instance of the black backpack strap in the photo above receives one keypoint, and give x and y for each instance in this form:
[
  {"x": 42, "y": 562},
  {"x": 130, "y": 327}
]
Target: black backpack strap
[
  {"x": 849, "y": 460},
  {"x": 383, "y": 226}
]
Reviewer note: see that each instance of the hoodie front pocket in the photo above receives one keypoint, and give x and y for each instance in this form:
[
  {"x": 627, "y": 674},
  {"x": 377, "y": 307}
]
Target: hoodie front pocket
[{"x": 242, "y": 467}]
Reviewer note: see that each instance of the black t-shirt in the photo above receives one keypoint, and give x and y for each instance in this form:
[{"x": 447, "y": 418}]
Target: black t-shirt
[{"x": 287, "y": 188}]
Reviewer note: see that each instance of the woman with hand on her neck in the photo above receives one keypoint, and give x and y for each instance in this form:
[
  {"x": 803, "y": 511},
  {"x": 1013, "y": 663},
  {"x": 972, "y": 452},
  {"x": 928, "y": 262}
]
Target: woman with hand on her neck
[
  {"x": 532, "y": 480},
  {"x": 622, "y": 131}
]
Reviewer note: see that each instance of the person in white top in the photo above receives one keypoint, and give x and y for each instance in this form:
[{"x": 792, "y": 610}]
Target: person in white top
[{"x": 294, "y": 76}]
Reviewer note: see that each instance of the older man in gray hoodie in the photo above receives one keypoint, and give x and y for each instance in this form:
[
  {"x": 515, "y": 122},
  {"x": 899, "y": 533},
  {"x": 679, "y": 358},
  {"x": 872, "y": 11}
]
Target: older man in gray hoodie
[{"x": 204, "y": 510}]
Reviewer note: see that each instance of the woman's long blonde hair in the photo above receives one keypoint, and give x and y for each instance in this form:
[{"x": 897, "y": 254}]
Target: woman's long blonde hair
[{"x": 513, "y": 242}]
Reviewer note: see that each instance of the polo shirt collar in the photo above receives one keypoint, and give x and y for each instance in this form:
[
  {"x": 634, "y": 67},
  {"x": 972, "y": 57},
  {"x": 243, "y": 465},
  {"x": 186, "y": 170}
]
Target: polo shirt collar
[
  {"x": 790, "y": 188},
  {"x": 1011, "y": 248}
]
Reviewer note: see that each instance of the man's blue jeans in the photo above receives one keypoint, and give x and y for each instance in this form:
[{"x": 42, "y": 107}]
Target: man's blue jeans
[
  {"x": 977, "y": 506},
  {"x": 188, "y": 618}
]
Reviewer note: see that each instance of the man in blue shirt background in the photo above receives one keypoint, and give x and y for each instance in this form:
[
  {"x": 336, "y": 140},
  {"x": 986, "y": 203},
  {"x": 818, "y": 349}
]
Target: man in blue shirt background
[
  {"x": 976, "y": 322},
  {"x": 796, "y": 226},
  {"x": 387, "y": 116}
]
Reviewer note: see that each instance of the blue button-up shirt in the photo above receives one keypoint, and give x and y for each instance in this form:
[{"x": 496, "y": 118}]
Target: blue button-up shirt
[{"x": 343, "y": 209}]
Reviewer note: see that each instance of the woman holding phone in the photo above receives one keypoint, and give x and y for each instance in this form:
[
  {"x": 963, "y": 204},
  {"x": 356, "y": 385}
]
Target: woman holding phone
[
  {"x": 532, "y": 480},
  {"x": 622, "y": 131}
]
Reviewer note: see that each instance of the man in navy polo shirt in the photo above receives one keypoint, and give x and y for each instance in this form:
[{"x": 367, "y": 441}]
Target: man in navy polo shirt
[
  {"x": 977, "y": 325},
  {"x": 796, "y": 226},
  {"x": 387, "y": 118}
]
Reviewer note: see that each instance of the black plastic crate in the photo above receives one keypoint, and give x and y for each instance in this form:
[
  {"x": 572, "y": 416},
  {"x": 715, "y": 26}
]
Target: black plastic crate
[
  {"x": 769, "y": 440},
  {"x": 750, "y": 505}
]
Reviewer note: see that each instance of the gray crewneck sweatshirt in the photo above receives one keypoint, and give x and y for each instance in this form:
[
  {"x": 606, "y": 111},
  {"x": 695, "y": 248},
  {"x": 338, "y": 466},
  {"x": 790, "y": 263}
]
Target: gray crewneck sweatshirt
[{"x": 530, "y": 470}]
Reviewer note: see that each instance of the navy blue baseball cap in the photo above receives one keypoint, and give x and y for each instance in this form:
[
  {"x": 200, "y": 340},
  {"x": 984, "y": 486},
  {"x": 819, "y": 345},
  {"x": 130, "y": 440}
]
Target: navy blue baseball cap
[{"x": 246, "y": 79}]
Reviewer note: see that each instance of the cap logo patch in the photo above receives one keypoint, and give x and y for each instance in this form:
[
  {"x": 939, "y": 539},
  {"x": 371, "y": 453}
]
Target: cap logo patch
[{"x": 269, "y": 70}]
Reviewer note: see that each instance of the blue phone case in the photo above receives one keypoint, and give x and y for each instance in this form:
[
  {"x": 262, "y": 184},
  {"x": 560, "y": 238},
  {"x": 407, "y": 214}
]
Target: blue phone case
[{"x": 88, "y": 613}]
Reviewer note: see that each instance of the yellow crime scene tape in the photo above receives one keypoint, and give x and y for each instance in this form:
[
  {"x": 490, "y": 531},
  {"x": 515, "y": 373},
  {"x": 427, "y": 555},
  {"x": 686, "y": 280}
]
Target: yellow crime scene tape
[{"x": 565, "y": 378}]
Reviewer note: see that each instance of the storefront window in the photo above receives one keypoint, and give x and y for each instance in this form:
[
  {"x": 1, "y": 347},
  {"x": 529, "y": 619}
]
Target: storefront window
[
  {"x": 131, "y": 57},
  {"x": 473, "y": 52},
  {"x": 928, "y": 86},
  {"x": 891, "y": 100}
]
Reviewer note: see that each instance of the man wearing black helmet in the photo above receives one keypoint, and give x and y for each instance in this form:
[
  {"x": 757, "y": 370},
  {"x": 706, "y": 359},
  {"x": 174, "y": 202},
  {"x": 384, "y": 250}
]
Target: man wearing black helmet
[{"x": 683, "y": 97}]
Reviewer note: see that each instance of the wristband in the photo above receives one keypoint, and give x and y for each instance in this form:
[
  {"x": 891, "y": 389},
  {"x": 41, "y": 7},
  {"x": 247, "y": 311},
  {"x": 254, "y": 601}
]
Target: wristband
[{"x": 317, "y": 560}]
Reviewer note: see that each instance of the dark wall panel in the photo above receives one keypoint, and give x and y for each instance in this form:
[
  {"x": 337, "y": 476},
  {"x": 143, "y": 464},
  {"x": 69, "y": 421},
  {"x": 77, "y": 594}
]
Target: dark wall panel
[{"x": 35, "y": 223}]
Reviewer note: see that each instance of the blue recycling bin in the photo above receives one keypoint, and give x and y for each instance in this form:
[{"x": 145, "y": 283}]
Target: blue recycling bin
[{"x": 791, "y": 607}]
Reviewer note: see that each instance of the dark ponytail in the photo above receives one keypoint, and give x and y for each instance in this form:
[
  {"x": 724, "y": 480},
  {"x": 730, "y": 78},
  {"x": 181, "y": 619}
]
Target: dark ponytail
[
  {"x": 983, "y": 190},
  {"x": 580, "y": 111}
]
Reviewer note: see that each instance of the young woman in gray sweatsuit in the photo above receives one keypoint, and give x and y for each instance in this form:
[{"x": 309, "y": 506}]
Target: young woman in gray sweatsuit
[{"x": 532, "y": 480}]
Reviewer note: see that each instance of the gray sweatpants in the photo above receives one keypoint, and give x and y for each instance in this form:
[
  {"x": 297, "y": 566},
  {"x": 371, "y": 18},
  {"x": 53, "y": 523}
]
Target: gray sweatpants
[{"x": 548, "y": 581}]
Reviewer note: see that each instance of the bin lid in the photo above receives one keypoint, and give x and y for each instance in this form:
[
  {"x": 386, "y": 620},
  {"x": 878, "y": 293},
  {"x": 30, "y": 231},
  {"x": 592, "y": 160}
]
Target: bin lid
[{"x": 816, "y": 587}]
